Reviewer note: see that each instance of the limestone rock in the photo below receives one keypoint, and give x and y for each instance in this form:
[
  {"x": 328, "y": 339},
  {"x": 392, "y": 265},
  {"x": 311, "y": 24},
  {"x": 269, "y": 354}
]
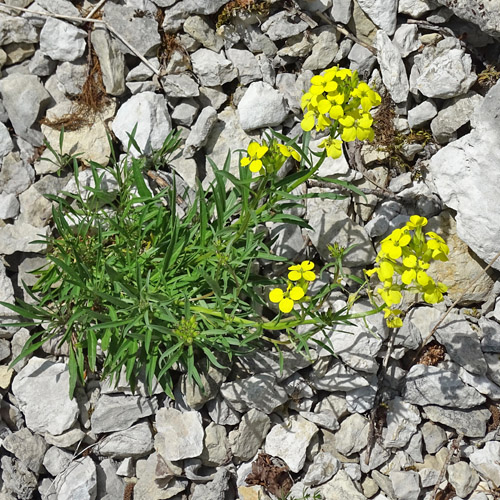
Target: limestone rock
[
  {"x": 290, "y": 440},
  {"x": 431, "y": 385},
  {"x": 62, "y": 41},
  {"x": 47, "y": 383},
  {"x": 149, "y": 112},
  {"x": 180, "y": 434},
  {"x": 261, "y": 106},
  {"x": 471, "y": 422},
  {"x": 78, "y": 481}
]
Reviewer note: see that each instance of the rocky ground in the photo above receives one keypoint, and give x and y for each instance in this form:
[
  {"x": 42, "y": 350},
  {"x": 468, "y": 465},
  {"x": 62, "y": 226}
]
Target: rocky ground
[{"x": 372, "y": 422}]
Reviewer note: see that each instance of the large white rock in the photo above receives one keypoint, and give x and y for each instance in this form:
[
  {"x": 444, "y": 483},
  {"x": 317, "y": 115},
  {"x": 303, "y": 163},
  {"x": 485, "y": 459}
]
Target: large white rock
[
  {"x": 62, "y": 41},
  {"x": 486, "y": 461},
  {"x": 42, "y": 390},
  {"x": 443, "y": 71},
  {"x": 149, "y": 112},
  {"x": 290, "y": 440},
  {"x": 78, "y": 481},
  {"x": 382, "y": 12},
  {"x": 25, "y": 99},
  {"x": 392, "y": 67},
  {"x": 485, "y": 14},
  {"x": 261, "y": 106},
  {"x": 212, "y": 68},
  {"x": 180, "y": 434},
  {"x": 466, "y": 176}
]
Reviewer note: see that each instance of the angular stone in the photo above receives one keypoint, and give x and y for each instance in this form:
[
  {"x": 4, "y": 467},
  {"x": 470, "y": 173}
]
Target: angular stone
[
  {"x": 341, "y": 487},
  {"x": 9, "y": 206},
  {"x": 119, "y": 412},
  {"x": 180, "y": 434},
  {"x": 259, "y": 391},
  {"x": 483, "y": 14},
  {"x": 62, "y": 41},
  {"x": 342, "y": 11},
  {"x": 41, "y": 65},
  {"x": 109, "y": 485},
  {"x": 149, "y": 112},
  {"x": 78, "y": 481},
  {"x": 434, "y": 437},
  {"x": 246, "y": 440},
  {"x": 324, "y": 49},
  {"x": 180, "y": 86},
  {"x": 444, "y": 71},
  {"x": 323, "y": 468},
  {"x": 352, "y": 436},
  {"x": 71, "y": 76},
  {"x": 471, "y": 422},
  {"x": 200, "y": 30},
  {"x": 290, "y": 440},
  {"x": 200, "y": 131},
  {"x": 212, "y": 68},
  {"x": 475, "y": 153},
  {"x": 463, "y": 478},
  {"x": 402, "y": 422},
  {"x": 454, "y": 115},
  {"x": 16, "y": 30},
  {"x": 486, "y": 462},
  {"x": 428, "y": 385},
  {"x": 261, "y": 106},
  {"x": 43, "y": 381},
  {"x": 140, "y": 31},
  {"x": 6, "y": 144},
  {"x": 462, "y": 343},
  {"x": 215, "y": 446},
  {"x": 217, "y": 489},
  {"x": 25, "y": 99},
  {"x": 416, "y": 8},
  {"x": 281, "y": 25},
  {"x": 56, "y": 460},
  {"x": 406, "y": 39},
  {"x": 355, "y": 345},
  {"x": 382, "y": 13},
  {"x": 111, "y": 61},
  {"x": 221, "y": 413},
  {"x": 90, "y": 140},
  {"x": 337, "y": 378},
  {"x": 26, "y": 447},
  {"x": 204, "y": 7},
  {"x": 136, "y": 441},
  {"x": 406, "y": 484},
  {"x": 18, "y": 479},
  {"x": 392, "y": 68},
  {"x": 463, "y": 272},
  {"x": 332, "y": 225},
  {"x": 246, "y": 64},
  {"x": 422, "y": 114},
  {"x": 148, "y": 487}
]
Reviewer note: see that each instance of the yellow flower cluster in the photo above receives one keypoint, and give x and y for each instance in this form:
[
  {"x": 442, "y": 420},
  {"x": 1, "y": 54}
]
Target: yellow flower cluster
[
  {"x": 270, "y": 156},
  {"x": 407, "y": 253},
  {"x": 338, "y": 101},
  {"x": 299, "y": 277}
]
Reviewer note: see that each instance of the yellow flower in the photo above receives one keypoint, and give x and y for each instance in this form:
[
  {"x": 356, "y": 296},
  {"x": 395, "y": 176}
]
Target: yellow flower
[
  {"x": 390, "y": 294},
  {"x": 302, "y": 270},
  {"x": 439, "y": 248},
  {"x": 288, "y": 151},
  {"x": 255, "y": 153},
  {"x": 333, "y": 147},
  {"x": 392, "y": 318},
  {"x": 286, "y": 300},
  {"x": 392, "y": 245},
  {"x": 368, "y": 97},
  {"x": 322, "y": 84},
  {"x": 416, "y": 221},
  {"x": 433, "y": 292}
]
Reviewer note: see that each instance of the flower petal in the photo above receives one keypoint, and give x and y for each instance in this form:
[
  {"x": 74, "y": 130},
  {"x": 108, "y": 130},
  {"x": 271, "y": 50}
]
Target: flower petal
[
  {"x": 286, "y": 305},
  {"x": 276, "y": 295},
  {"x": 296, "y": 293}
]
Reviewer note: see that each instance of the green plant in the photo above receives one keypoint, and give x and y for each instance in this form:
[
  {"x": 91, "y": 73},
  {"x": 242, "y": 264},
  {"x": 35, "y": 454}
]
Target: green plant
[
  {"x": 134, "y": 285},
  {"x": 316, "y": 495}
]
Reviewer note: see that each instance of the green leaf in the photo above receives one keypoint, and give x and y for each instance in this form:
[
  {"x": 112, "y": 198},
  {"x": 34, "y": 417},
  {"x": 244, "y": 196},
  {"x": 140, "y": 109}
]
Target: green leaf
[
  {"x": 139, "y": 181},
  {"x": 91, "y": 348}
]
